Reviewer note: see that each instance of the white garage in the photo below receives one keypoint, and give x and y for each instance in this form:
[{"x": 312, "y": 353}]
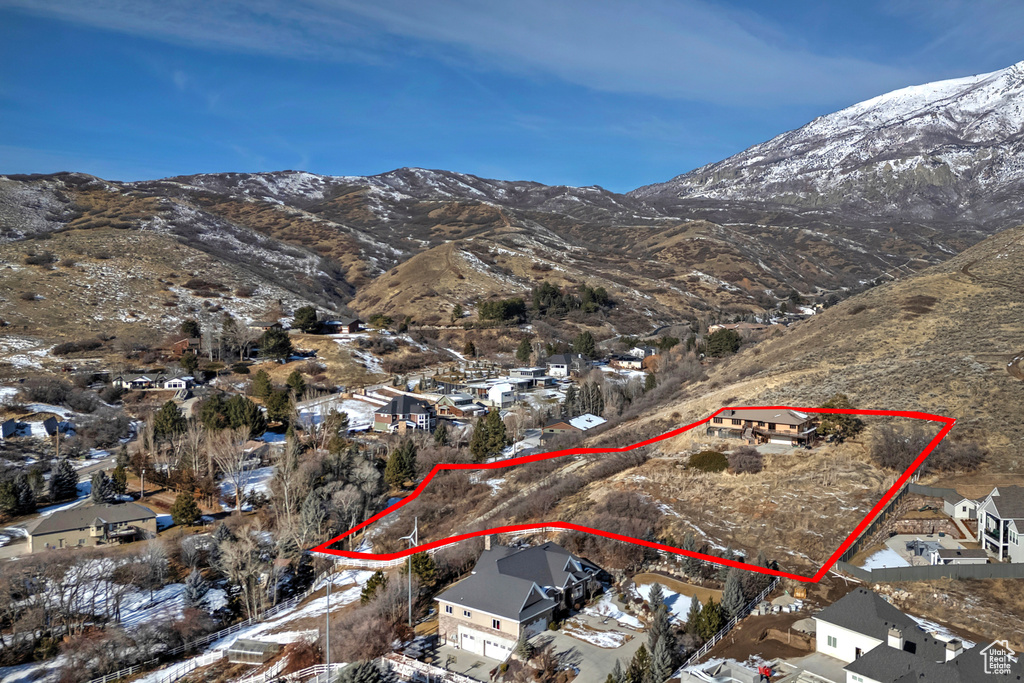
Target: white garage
[{"x": 485, "y": 644}]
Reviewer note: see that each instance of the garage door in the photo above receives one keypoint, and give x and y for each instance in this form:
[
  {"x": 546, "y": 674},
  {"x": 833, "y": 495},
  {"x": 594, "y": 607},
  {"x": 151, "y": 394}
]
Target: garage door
[
  {"x": 471, "y": 642},
  {"x": 497, "y": 649},
  {"x": 787, "y": 442}
]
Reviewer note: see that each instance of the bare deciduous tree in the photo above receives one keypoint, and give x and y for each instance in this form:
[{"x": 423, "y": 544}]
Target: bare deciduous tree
[{"x": 227, "y": 448}]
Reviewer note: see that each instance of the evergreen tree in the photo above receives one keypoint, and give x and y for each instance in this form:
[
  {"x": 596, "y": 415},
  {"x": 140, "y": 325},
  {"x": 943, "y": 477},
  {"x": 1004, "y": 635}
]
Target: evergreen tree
[
  {"x": 732, "y": 596},
  {"x": 63, "y": 482},
  {"x": 489, "y": 437},
  {"x": 122, "y": 456},
  {"x": 364, "y": 672},
  {"x": 840, "y": 426},
  {"x": 306, "y": 319},
  {"x": 723, "y": 343},
  {"x": 190, "y": 328},
  {"x": 261, "y": 384},
  {"x": 711, "y": 619},
  {"x": 639, "y": 670},
  {"x": 119, "y": 480},
  {"x": 523, "y": 350},
  {"x": 523, "y": 649},
  {"x": 649, "y": 382},
  {"x": 25, "y": 494},
  {"x": 102, "y": 488},
  {"x": 185, "y": 512},
  {"x": 222, "y": 534},
  {"x": 279, "y": 407},
  {"x": 456, "y": 312},
  {"x": 240, "y": 411},
  {"x": 584, "y": 344},
  {"x": 168, "y": 421},
  {"x": 376, "y": 581},
  {"x": 723, "y": 570},
  {"x": 691, "y": 565},
  {"x": 469, "y": 350},
  {"x": 441, "y": 433},
  {"x": 423, "y": 568},
  {"x": 661, "y": 662},
  {"x": 693, "y": 617},
  {"x": 401, "y": 465},
  {"x": 8, "y": 498},
  {"x": 296, "y": 382},
  {"x": 196, "y": 588},
  {"x": 189, "y": 362},
  {"x": 617, "y": 673},
  {"x": 571, "y": 404},
  {"x": 275, "y": 343},
  {"x": 659, "y": 621}
]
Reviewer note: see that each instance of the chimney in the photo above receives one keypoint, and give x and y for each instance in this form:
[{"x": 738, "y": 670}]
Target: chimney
[
  {"x": 896, "y": 638},
  {"x": 953, "y": 649},
  {"x": 487, "y": 542}
]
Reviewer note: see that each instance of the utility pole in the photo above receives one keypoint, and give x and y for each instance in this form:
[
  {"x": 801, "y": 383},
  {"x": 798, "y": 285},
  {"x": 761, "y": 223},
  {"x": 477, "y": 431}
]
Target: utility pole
[
  {"x": 142, "y": 486},
  {"x": 328, "y": 627}
]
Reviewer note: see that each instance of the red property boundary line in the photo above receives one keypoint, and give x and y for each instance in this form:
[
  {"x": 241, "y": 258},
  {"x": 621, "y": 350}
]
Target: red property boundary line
[{"x": 947, "y": 424}]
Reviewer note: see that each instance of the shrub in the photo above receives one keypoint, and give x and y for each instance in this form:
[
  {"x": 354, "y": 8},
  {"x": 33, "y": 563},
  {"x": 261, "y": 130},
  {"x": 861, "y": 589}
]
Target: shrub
[
  {"x": 27, "y": 296},
  {"x": 43, "y": 258},
  {"x": 240, "y": 369},
  {"x": 709, "y": 461},
  {"x": 746, "y": 460}
]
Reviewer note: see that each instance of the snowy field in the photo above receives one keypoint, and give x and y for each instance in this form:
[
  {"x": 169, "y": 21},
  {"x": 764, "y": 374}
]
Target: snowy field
[
  {"x": 606, "y": 608},
  {"x": 606, "y": 639},
  {"x": 886, "y": 557},
  {"x": 360, "y": 413},
  {"x": 256, "y": 480},
  {"x": 678, "y": 605}
]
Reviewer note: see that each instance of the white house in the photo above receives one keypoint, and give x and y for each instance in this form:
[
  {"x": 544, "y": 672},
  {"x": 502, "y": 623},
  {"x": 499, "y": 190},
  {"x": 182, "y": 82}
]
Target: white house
[
  {"x": 183, "y": 382},
  {"x": 501, "y": 395},
  {"x": 1000, "y": 522},
  {"x": 958, "y": 556},
  {"x": 642, "y": 352},
  {"x": 959, "y": 507}
]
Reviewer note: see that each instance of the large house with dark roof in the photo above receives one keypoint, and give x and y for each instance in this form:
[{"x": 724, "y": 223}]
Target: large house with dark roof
[
  {"x": 764, "y": 425},
  {"x": 404, "y": 413},
  {"x": 91, "y": 525},
  {"x": 881, "y": 644},
  {"x": 1001, "y": 522},
  {"x": 512, "y": 590}
]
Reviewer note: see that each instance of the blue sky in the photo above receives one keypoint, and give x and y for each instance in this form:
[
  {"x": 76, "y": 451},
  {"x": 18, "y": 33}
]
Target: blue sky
[{"x": 578, "y": 92}]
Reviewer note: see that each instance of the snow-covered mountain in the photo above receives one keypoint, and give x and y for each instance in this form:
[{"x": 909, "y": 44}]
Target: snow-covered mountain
[{"x": 948, "y": 151}]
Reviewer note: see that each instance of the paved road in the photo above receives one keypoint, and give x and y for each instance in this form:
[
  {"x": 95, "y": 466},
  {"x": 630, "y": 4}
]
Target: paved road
[{"x": 595, "y": 663}]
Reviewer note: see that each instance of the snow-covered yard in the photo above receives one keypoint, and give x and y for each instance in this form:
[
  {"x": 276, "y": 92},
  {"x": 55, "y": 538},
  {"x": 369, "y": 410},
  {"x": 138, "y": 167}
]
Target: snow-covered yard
[
  {"x": 606, "y": 639},
  {"x": 605, "y": 607},
  {"x": 887, "y": 557},
  {"x": 255, "y": 480},
  {"x": 360, "y": 413},
  {"x": 678, "y": 605}
]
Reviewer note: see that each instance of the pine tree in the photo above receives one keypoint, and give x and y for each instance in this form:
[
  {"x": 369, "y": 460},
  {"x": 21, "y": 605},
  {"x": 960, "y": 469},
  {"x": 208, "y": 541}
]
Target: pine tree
[
  {"x": 649, "y": 382},
  {"x": 693, "y": 617},
  {"x": 617, "y": 673},
  {"x": 119, "y": 480},
  {"x": 691, "y": 565},
  {"x": 102, "y": 488},
  {"x": 659, "y": 623},
  {"x": 122, "y": 456},
  {"x": 711, "y": 619},
  {"x": 306, "y": 319},
  {"x": 723, "y": 570},
  {"x": 424, "y": 568},
  {"x": 584, "y": 344},
  {"x": 168, "y": 421},
  {"x": 732, "y": 595},
  {"x": 196, "y": 588},
  {"x": 523, "y": 350},
  {"x": 441, "y": 433},
  {"x": 222, "y": 534},
  {"x": 275, "y": 343},
  {"x": 639, "y": 670},
  {"x": 365, "y": 672},
  {"x": 376, "y": 581},
  {"x": 489, "y": 437},
  {"x": 26, "y": 495},
  {"x": 571, "y": 404},
  {"x": 261, "y": 384},
  {"x": 296, "y": 382},
  {"x": 456, "y": 312},
  {"x": 185, "y": 512},
  {"x": 401, "y": 465},
  {"x": 661, "y": 662},
  {"x": 469, "y": 349},
  {"x": 63, "y": 482},
  {"x": 524, "y": 648},
  {"x": 239, "y": 411},
  {"x": 279, "y": 407}
]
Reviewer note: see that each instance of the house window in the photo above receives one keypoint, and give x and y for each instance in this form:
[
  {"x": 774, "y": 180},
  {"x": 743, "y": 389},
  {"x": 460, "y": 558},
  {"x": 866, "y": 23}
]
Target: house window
[
  {"x": 717, "y": 420},
  {"x": 466, "y": 613},
  {"x": 496, "y": 624},
  {"x": 760, "y": 424},
  {"x": 832, "y": 641},
  {"x": 737, "y": 423},
  {"x": 447, "y": 609}
]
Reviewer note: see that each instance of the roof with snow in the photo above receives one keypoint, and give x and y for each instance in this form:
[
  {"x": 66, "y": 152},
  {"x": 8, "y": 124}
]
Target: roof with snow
[{"x": 586, "y": 421}]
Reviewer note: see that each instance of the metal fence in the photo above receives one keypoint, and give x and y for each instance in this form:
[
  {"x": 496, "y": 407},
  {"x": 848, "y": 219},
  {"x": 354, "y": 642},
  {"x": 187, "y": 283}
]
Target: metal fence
[
  {"x": 706, "y": 647},
  {"x": 932, "y": 572},
  {"x": 880, "y": 520}
]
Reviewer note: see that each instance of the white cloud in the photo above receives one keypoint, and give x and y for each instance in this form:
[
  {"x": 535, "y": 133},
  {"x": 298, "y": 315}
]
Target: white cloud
[{"x": 679, "y": 49}]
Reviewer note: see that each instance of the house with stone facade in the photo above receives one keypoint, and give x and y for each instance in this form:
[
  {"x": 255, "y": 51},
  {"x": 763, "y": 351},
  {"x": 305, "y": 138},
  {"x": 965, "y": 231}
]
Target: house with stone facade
[
  {"x": 404, "y": 413},
  {"x": 512, "y": 590}
]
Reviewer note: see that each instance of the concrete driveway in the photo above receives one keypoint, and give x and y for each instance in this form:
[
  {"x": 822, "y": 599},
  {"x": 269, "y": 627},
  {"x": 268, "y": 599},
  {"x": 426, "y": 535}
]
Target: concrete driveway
[{"x": 594, "y": 663}]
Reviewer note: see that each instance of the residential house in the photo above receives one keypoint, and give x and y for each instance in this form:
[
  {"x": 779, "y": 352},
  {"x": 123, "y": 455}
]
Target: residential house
[
  {"x": 959, "y": 507},
  {"x": 536, "y": 377},
  {"x": 567, "y": 364},
  {"x": 642, "y": 352},
  {"x": 580, "y": 423},
  {"x": 342, "y": 326},
  {"x": 764, "y": 425},
  {"x": 626, "y": 362},
  {"x": 501, "y": 395},
  {"x": 403, "y": 413},
  {"x": 8, "y": 428},
  {"x": 178, "y": 383},
  {"x": 880, "y": 644},
  {"x": 136, "y": 381},
  {"x": 185, "y": 345},
  {"x": 1001, "y": 521},
  {"x": 512, "y": 590},
  {"x": 458, "y": 406},
  {"x": 91, "y": 525},
  {"x": 264, "y": 325}
]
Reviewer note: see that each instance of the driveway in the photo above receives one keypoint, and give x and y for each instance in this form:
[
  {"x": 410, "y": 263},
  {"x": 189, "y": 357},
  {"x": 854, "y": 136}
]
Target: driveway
[{"x": 595, "y": 663}]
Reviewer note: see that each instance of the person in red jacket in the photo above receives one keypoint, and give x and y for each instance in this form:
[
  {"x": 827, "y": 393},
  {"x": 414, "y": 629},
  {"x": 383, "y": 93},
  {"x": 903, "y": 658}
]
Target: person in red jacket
[{"x": 766, "y": 673}]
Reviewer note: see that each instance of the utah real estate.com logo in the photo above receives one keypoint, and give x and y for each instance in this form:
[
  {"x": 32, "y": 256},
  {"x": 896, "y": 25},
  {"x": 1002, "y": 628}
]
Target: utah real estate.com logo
[{"x": 998, "y": 658}]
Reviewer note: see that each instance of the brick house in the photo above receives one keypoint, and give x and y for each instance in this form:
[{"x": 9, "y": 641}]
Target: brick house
[
  {"x": 403, "y": 413},
  {"x": 764, "y": 425},
  {"x": 512, "y": 590}
]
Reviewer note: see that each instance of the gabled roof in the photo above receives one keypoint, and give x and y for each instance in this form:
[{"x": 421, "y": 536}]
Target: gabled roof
[
  {"x": 885, "y": 663},
  {"x": 1008, "y": 502},
  {"x": 780, "y": 416},
  {"x": 865, "y": 612},
  {"x": 565, "y": 359},
  {"x": 510, "y": 582},
  {"x": 405, "y": 405},
  {"x": 87, "y": 515}
]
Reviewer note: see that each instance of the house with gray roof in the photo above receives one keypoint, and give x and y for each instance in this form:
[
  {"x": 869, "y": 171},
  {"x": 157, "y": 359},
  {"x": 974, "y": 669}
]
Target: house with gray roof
[
  {"x": 404, "y": 413},
  {"x": 91, "y": 525},
  {"x": 880, "y": 644},
  {"x": 1001, "y": 521},
  {"x": 512, "y": 590}
]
